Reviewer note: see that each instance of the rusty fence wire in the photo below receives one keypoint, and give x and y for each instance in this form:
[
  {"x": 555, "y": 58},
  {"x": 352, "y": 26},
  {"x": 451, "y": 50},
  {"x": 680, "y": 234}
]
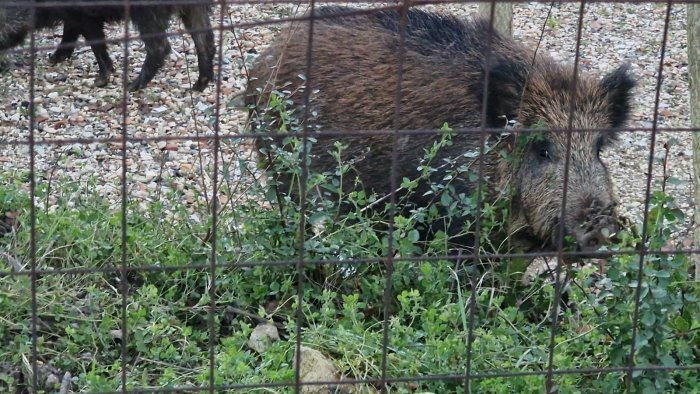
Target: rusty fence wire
[{"x": 25, "y": 140}]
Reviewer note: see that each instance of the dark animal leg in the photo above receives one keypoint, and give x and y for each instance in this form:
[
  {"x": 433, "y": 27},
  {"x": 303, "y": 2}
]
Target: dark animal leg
[
  {"x": 196, "y": 20},
  {"x": 153, "y": 26},
  {"x": 93, "y": 30},
  {"x": 71, "y": 32},
  {"x": 13, "y": 39}
]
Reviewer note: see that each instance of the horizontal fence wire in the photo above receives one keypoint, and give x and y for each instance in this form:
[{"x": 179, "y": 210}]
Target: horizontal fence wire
[
  {"x": 19, "y": 271},
  {"x": 122, "y": 3},
  {"x": 326, "y": 133},
  {"x": 209, "y": 259}
]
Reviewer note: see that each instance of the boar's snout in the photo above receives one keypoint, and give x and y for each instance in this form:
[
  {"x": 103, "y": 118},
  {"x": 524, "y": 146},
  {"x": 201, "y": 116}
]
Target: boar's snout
[
  {"x": 593, "y": 226},
  {"x": 596, "y": 225}
]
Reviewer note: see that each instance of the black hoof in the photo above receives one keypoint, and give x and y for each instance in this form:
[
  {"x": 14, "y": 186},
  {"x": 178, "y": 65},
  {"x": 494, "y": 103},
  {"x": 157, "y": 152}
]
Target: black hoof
[
  {"x": 135, "y": 85},
  {"x": 58, "y": 57},
  {"x": 101, "y": 81},
  {"x": 201, "y": 84}
]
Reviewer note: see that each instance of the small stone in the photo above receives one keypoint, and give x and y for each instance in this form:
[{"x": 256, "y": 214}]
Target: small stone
[
  {"x": 151, "y": 175},
  {"x": 262, "y": 336},
  {"x": 186, "y": 168},
  {"x": 141, "y": 194},
  {"x": 41, "y": 112},
  {"x": 51, "y": 381},
  {"x": 315, "y": 367}
]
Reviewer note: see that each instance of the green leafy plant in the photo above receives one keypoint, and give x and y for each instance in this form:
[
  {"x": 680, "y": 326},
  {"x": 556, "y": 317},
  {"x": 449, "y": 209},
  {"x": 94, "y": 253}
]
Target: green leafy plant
[
  {"x": 668, "y": 324},
  {"x": 441, "y": 312}
]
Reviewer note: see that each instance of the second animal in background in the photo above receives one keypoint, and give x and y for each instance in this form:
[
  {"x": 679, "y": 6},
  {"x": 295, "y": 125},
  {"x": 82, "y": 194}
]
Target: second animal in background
[{"x": 151, "y": 21}]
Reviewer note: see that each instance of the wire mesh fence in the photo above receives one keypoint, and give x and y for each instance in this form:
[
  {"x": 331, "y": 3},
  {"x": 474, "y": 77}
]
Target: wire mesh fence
[{"x": 346, "y": 197}]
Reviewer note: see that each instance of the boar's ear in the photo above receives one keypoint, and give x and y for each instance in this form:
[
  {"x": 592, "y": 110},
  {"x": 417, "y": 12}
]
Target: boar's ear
[
  {"x": 617, "y": 87},
  {"x": 505, "y": 87}
]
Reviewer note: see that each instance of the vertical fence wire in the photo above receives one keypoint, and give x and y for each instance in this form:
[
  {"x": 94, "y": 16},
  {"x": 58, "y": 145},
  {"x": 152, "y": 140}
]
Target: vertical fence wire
[
  {"x": 123, "y": 278},
  {"x": 647, "y": 197},
  {"x": 562, "y": 223},
  {"x": 32, "y": 208},
  {"x": 389, "y": 263},
  {"x": 302, "y": 194},
  {"x": 214, "y": 207},
  {"x": 480, "y": 176}
]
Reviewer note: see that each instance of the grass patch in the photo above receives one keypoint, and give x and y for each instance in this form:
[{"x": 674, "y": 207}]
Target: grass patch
[{"x": 80, "y": 313}]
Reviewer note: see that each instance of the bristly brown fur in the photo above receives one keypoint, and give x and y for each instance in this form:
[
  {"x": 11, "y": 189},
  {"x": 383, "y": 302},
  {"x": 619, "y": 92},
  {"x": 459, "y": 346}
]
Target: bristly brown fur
[{"x": 352, "y": 83}]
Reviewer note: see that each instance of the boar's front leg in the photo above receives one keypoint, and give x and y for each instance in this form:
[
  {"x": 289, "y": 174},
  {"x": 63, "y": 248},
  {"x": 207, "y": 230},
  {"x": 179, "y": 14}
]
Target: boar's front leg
[
  {"x": 71, "y": 32},
  {"x": 152, "y": 26},
  {"x": 196, "y": 20},
  {"x": 93, "y": 30}
]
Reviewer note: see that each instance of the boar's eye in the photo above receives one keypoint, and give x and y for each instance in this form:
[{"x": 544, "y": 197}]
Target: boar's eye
[{"x": 541, "y": 148}]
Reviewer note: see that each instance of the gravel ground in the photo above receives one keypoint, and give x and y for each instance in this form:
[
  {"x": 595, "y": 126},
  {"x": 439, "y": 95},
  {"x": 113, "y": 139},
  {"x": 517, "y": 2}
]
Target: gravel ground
[{"x": 68, "y": 106}]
